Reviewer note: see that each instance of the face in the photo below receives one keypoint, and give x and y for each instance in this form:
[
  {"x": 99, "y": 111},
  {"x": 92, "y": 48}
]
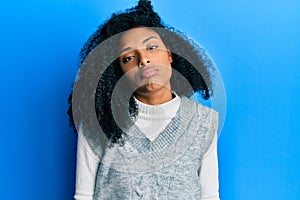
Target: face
[{"x": 145, "y": 61}]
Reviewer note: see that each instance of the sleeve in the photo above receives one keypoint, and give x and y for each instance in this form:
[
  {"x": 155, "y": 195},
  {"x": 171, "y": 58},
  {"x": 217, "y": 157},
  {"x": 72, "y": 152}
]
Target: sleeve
[
  {"x": 209, "y": 178},
  {"x": 86, "y": 169}
]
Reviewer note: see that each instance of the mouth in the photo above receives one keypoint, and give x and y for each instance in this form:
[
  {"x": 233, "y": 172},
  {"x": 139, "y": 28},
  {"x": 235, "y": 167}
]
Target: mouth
[{"x": 148, "y": 73}]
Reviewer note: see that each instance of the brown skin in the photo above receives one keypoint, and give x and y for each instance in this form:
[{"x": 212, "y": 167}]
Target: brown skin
[{"x": 146, "y": 63}]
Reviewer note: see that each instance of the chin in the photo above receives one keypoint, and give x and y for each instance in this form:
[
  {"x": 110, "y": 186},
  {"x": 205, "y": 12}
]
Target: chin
[{"x": 150, "y": 88}]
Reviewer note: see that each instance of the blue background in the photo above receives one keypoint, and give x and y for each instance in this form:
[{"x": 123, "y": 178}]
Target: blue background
[{"x": 255, "y": 44}]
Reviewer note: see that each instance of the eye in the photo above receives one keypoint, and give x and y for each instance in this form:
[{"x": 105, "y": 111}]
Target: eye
[
  {"x": 127, "y": 59},
  {"x": 152, "y": 47}
]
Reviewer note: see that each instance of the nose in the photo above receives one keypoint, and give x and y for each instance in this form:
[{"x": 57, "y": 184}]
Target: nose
[{"x": 143, "y": 59}]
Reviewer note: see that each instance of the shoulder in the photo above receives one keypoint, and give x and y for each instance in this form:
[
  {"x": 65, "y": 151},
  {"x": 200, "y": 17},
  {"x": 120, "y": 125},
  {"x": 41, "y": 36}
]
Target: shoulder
[
  {"x": 206, "y": 120},
  {"x": 94, "y": 142},
  {"x": 205, "y": 114}
]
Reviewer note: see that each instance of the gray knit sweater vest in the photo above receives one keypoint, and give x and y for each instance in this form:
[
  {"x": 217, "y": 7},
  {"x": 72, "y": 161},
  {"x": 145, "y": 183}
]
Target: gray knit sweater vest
[{"x": 165, "y": 168}]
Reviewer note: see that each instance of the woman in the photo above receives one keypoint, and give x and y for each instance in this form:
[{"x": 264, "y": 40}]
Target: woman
[{"x": 159, "y": 144}]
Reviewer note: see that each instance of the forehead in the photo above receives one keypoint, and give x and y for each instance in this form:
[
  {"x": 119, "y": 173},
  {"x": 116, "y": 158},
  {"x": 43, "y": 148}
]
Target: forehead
[{"x": 136, "y": 36}]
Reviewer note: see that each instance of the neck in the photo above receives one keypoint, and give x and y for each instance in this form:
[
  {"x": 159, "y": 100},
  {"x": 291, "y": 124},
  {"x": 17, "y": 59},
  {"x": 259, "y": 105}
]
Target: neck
[{"x": 162, "y": 96}]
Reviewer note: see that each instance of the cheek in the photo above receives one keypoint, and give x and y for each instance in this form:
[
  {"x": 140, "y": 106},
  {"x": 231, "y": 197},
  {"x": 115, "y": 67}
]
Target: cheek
[
  {"x": 167, "y": 72},
  {"x": 163, "y": 58},
  {"x": 124, "y": 68},
  {"x": 131, "y": 76}
]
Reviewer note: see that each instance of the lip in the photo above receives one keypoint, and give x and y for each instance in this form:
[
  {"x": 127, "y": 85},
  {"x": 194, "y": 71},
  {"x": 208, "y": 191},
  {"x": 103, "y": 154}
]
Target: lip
[{"x": 149, "y": 72}]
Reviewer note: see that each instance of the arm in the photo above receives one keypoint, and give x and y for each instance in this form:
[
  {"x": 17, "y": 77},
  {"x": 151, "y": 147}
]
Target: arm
[
  {"x": 86, "y": 169},
  {"x": 209, "y": 180}
]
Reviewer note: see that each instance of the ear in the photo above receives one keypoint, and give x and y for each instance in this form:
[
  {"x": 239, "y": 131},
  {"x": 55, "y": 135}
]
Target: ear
[{"x": 170, "y": 56}]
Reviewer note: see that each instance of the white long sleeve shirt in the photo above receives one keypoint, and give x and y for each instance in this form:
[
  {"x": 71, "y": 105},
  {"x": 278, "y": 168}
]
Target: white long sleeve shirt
[{"x": 151, "y": 120}]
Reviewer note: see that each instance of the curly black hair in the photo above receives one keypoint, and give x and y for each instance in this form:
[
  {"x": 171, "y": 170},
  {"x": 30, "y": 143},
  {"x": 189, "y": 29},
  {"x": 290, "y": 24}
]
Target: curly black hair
[{"x": 195, "y": 67}]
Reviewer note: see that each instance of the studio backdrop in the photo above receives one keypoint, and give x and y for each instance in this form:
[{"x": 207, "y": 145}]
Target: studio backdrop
[{"x": 254, "y": 44}]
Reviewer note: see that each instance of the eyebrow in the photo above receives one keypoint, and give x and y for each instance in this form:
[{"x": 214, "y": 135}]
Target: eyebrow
[{"x": 143, "y": 42}]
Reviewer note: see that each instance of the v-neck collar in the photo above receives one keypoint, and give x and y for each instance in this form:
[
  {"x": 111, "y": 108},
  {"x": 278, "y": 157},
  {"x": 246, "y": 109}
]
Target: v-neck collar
[
  {"x": 190, "y": 127},
  {"x": 168, "y": 136}
]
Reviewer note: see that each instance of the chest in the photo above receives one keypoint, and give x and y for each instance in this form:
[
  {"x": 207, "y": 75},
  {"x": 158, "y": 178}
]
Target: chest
[{"x": 177, "y": 179}]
